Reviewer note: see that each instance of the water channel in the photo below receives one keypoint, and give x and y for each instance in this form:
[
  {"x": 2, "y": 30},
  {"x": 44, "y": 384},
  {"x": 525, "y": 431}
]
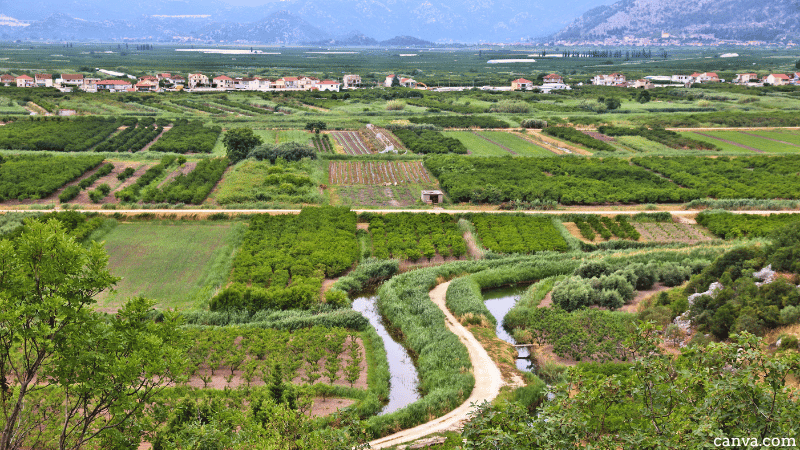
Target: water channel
[
  {"x": 499, "y": 301},
  {"x": 404, "y": 379}
]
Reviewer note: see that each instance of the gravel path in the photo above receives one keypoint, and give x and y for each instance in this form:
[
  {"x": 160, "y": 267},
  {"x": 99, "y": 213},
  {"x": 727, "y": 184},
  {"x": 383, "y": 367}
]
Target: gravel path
[{"x": 488, "y": 381}]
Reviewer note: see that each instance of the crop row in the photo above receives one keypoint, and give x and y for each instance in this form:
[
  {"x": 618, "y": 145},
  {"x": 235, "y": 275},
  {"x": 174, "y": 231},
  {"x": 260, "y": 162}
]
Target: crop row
[
  {"x": 606, "y": 227},
  {"x": 192, "y": 188},
  {"x": 461, "y": 121},
  {"x": 731, "y": 226},
  {"x": 322, "y": 143},
  {"x": 133, "y": 138},
  {"x": 283, "y": 259},
  {"x": 72, "y": 191},
  {"x": 660, "y": 135},
  {"x": 577, "y": 137},
  {"x": 518, "y": 234},
  {"x": 351, "y": 141},
  {"x": 131, "y": 192},
  {"x": 408, "y": 236},
  {"x": 377, "y": 172},
  {"x": 188, "y": 137},
  {"x": 428, "y": 141},
  {"x": 67, "y": 135}
]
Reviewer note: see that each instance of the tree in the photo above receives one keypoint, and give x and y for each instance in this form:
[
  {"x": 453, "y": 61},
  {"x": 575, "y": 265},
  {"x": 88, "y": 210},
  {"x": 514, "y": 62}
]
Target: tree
[
  {"x": 797, "y": 64},
  {"x": 72, "y": 374},
  {"x": 395, "y": 81},
  {"x": 239, "y": 142}
]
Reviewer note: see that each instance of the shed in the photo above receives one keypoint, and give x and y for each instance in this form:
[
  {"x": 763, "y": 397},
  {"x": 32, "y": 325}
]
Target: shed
[{"x": 433, "y": 196}]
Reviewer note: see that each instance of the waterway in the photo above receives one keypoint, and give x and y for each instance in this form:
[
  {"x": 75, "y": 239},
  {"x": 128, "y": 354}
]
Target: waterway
[
  {"x": 499, "y": 302},
  {"x": 404, "y": 379}
]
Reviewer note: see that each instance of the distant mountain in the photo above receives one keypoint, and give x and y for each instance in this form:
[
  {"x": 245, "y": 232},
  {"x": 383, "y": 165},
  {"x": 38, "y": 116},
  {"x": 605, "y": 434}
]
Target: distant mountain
[
  {"x": 405, "y": 41},
  {"x": 431, "y": 20},
  {"x": 352, "y": 39},
  {"x": 772, "y": 21},
  {"x": 280, "y": 27}
]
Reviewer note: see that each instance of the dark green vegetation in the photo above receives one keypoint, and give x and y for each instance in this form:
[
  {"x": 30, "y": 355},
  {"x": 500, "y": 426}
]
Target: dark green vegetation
[
  {"x": 408, "y": 236},
  {"x": 732, "y": 226},
  {"x": 136, "y": 135},
  {"x": 56, "y": 134},
  {"x": 34, "y": 177},
  {"x": 132, "y": 192},
  {"x": 577, "y": 137},
  {"x": 188, "y": 137},
  {"x": 192, "y": 188},
  {"x": 283, "y": 259},
  {"x": 428, "y": 141},
  {"x": 518, "y": 234},
  {"x": 461, "y": 121},
  {"x": 668, "y": 138},
  {"x": 606, "y": 227}
]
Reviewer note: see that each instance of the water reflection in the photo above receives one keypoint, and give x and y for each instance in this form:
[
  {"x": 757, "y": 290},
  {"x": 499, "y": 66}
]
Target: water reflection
[
  {"x": 404, "y": 379},
  {"x": 499, "y": 302}
]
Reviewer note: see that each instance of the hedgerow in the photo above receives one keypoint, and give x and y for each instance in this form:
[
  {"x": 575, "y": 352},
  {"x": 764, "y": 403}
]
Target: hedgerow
[
  {"x": 35, "y": 177},
  {"x": 133, "y": 138},
  {"x": 461, "y": 121},
  {"x": 666, "y": 137},
  {"x": 131, "y": 193},
  {"x": 428, "y": 141}
]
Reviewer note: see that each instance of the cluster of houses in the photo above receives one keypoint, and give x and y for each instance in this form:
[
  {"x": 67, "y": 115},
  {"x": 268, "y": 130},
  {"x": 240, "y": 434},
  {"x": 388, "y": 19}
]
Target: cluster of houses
[
  {"x": 195, "y": 81},
  {"x": 749, "y": 79},
  {"x": 550, "y": 82}
]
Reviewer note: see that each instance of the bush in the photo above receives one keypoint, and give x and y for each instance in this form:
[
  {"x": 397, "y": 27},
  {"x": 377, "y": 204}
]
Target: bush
[{"x": 533, "y": 123}]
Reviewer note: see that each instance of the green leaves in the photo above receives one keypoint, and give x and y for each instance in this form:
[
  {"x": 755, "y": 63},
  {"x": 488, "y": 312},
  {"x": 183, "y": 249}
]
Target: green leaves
[{"x": 239, "y": 142}]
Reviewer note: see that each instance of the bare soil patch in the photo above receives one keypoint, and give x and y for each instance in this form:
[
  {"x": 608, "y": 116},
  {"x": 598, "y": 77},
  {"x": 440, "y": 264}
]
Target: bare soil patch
[
  {"x": 633, "y": 306},
  {"x": 473, "y": 250},
  {"x": 599, "y": 136},
  {"x": 147, "y": 147},
  {"x": 110, "y": 179},
  {"x": 185, "y": 169}
]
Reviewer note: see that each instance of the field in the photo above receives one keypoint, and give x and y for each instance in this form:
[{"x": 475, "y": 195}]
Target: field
[
  {"x": 351, "y": 141},
  {"x": 180, "y": 265},
  {"x": 409, "y": 236},
  {"x": 378, "y": 172},
  {"x": 515, "y": 234},
  {"x": 477, "y": 145},
  {"x": 515, "y": 144},
  {"x": 258, "y": 181}
]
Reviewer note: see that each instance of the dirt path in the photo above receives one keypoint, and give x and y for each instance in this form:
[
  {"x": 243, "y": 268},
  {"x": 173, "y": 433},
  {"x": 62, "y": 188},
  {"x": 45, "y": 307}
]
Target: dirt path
[
  {"x": 488, "y": 381},
  {"x": 731, "y": 142},
  {"x": 150, "y": 144}
]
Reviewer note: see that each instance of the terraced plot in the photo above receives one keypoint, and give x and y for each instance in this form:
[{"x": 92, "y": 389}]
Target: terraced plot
[
  {"x": 352, "y": 142},
  {"x": 378, "y": 172},
  {"x": 720, "y": 142},
  {"x": 670, "y": 232},
  {"x": 477, "y": 145},
  {"x": 753, "y": 141}
]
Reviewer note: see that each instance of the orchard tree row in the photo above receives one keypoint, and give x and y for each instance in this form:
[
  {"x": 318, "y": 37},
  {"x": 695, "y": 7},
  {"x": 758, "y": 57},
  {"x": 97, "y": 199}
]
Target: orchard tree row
[
  {"x": 188, "y": 137},
  {"x": 733, "y": 226},
  {"x": 192, "y": 188},
  {"x": 518, "y": 234},
  {"x": 283, "y": 259},
  {"x": 35, "y": 177},
  {"x": 409, "y": 236},
  {"x": 67, "y": 135}
]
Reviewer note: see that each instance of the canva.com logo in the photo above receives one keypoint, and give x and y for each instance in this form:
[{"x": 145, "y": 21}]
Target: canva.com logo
[{"x": 755, "y": 442}]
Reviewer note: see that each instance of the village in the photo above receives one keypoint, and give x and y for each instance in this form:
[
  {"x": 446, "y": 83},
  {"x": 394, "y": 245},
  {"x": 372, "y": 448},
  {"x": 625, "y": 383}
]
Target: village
[{"x": 198, "y": 82}]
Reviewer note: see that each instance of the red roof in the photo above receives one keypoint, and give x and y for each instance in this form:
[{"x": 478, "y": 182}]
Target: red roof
[
  {"x": 329, "y": 82},
  {"x": 113, "y": 82},
  {"x": 23, "y": 77},
  {"x": 223, "y": 78},
  {"x": 552, "y": 75},
  {"x": 66, "y": 76},
  {"x": 6, "y": 77},
  {"x": 781, "y": 76},
  {"x": 521, "y": 80},
  {"x": 289, "y": 78},
  {"x": 711, "y": 74},
  {"x": 44, "y": 76}
]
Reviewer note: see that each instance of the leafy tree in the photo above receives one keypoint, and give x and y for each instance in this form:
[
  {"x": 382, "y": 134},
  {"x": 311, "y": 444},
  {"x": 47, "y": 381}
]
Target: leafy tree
[
  {"x": 643, "y": 96},
  {"x": 72, "y": 375},
  {"x": 239, "y": 142},
  {"x": 395, "y": 81}
]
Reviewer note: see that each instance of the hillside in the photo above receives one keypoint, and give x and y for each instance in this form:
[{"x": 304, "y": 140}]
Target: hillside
[{"x": 709, "y": 19}]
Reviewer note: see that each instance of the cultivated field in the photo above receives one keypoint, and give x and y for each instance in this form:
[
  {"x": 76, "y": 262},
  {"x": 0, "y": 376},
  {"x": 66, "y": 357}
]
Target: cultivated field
[
  {"x": 352, "y": 142},
  {"x": 378, "y": 172}
]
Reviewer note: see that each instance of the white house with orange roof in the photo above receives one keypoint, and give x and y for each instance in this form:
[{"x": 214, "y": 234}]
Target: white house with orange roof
[
  {"x": 777, "y": 79},
  {"x": 68, "y": 79},
  {"x": 147, "y": 86},
  {"x": 388, "y": 81},
  {"x": 705, "y": 77},
  {"x": 198, "y": 79},
  {"x": 43, "y": 80},
  {"x": 24, "y": 81},
  {"x": 742, "y": 78},
  {"x": 264, "y": 84},
  {"x": 223, "y": 82},
  {"x": 553, "y": 78},
  {"x": 329, "y": 85},
  {"x": 113, "y": 85},
  {"x": 8, "y": 80},
  {"x": 521, "y": 84},
  {"x": 408, "y": 82},
  {"x": 307, "y": 83},
  {"x": 609, "y": 80}
]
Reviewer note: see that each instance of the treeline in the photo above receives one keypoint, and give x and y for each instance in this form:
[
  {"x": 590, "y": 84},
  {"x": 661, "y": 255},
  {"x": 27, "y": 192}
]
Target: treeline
[
  {"x": 136, "y": 136},
  {"x": 572, "y": 135},
  {"x": 57, "y": 134},
  {"x": 192, "y": 188},
  {"x": 666, "y": 137},
  {"x": 726, "y": 119},
  {"x": 409, "y": 236},
  {"x": 283, "y": 259},
  {"x": 188, "y": 137},
  {"x": 565, "y": 180},
  {"x": 518, "y": 234},
  {"x": 428, "y": 141},
  {"x": 733, "y": 226},
  {"x": 461, "y": 121},
  {"x": 35, "y": 177}
]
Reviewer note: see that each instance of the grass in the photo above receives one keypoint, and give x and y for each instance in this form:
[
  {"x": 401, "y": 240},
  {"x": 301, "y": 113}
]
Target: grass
[
  {"x": 644, "y": 145},
  {"x": 178, "y": 264},
  {"x": 791, "y": 136},
  {"x": 519, "y": 145},
  {"x": 755, "y": 142},
  {"x": 247, "y": 182},
  {"x": 476, "y": 145},
  {"x": 726, "y": 147}
]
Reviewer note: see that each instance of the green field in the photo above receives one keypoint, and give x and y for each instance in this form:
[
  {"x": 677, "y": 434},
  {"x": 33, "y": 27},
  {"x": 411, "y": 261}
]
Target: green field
[
  {"x": 178, "y": 264},
  {"x": 476, "y": 145},
  {"x": 791, "y": 136},
  {"x": 726, "y": 147},
  {"x": 765, "y": 145},
  {"x": 519, "y": 145}
]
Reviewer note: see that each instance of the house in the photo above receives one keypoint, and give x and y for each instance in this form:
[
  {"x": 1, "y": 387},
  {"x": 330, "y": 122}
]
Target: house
[
  {"x": 24, "y": 81},
  {"x": 408, "y": 82},
  {"x": 70, "y": 79},
  {"x": 521, "y": 84},
  {"x": 176, "y": 79},
  {"x": 705, "y": 77},
  {"x": 7, "y": 80},
  {"x": 264, "y": 84},
  {"x": 307, "y": 83},
  {"x": 433, "y": 196},
  {"x": 90, "y": 84},
  {"x": 288, "y": 82},
  {"x": 113, "y": 85},
  {"x": 553, "y": 79},
  {"x": 351, "y": 81},
  {"x": 796, "y": 77},
  {"x": 197, "y": 79},
  {"x": 147, "y": 86},
  {"x": 246, "y": 83},
  {"x": 777, "y": 79},
  {"x": 164, "y": 76},
  {"x": 329, "y": 85},
  {"x": 389, "y": 79},
  {"x": 742, "y": 78},
  {"x": 43, "y": 80},
  {"x": 149, "y": 78},
  {"x": 614, "y": 79},
  {"x": 223, "y": 82},
  {"x": 683, "y": 79},
  {"x": 641, "y": 83}
]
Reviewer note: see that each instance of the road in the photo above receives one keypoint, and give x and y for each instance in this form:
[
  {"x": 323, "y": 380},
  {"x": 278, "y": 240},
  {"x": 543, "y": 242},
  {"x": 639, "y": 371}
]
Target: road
[{"x": 488, "y": 381}]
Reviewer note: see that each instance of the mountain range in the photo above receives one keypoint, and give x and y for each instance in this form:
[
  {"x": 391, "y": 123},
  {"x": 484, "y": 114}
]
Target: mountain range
[{"x": 376, "y": 22}]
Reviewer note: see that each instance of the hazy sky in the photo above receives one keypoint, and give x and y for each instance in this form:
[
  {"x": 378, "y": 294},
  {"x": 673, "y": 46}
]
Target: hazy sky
[{"x": 249, "y": 2}]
